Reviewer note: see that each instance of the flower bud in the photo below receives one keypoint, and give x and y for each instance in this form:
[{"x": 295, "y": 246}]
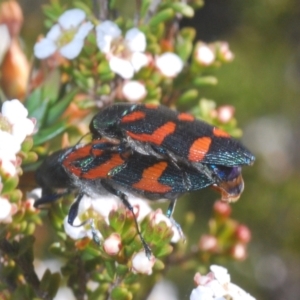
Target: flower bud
[
  {"x": 11, "y": 15},
  {"x": 225, "y": 113},
  {"x": 112, "y": 245},
  {"x": 15, "y": 72},
  {"x": 238, "y": 251},
  {"x": 208, "y": 243},
  {"x": 222, "y": 209},
  {"x": 224, "y": 52},
  {"x": 204, "y": 55},
  {"x": 134, "y": 91},
  {"x": 243, "y": 234},
  {"x": 169, "y": 64},
  {"x": 142, "y": 264}
]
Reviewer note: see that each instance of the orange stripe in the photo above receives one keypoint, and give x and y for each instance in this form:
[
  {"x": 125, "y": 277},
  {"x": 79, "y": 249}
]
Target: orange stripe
[
  {"x": 157, "y": 136},
  {"x": 149, "y": 181},
  {"x": 185, "y": 117},
  {"x": 134, "y": 116},
  {"x": 220, "y": 133},
  {"x": 199, "y": 148},
  {"x": 75, "y": 155},
  {"x": 102, "y": 170},
  {"x": 151, "y": 105}
]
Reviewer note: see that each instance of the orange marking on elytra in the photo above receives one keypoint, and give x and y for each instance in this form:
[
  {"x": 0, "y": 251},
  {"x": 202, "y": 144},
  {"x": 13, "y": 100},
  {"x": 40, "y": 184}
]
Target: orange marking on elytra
[
  {"x": 185, "y": 117},
  {"x": 199, "y": 149},
  {"x": 134, "y": 116},
  {"x": 157, "y": 136},
  {"x": 149, "y": 181},
  {"x": 75, "y": 155},
  {"x": 220, "y": 133},
  {"x": 151, "y": 105},
  {"x": 102, "y": 170}
]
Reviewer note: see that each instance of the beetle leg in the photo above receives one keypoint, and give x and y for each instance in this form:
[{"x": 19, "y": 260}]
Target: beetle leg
[
  {"x": 126, "y": 203},
  {"x": 49, "y": 198},
  {"x": 169, "y": 214},
  {"x": 73, "y": 213}
]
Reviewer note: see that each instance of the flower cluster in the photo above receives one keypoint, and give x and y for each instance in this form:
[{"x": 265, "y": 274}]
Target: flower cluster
[
  {"x": 14, "y": 127},
  {"x": 114, "y": 235},
  {"x": 217, "y": 285},
  {"x": 226, "y": 235},
  {"x": 210, "y": 54}
]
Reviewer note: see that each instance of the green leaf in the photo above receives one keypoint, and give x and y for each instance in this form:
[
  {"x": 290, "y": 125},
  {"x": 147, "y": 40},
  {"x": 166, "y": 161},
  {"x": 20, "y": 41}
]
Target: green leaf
[
  {"x": 110, "y": 268},
  {"x": 50, "y": 283},
  {"x": 33, "y": 101},
  {"x": 120, "y": 293},
  {"x": 10, "y": 184},
  {"x": 162, "y": 16},
  {"x": 58, "y": 109},
  {"x": 184, "y": 9},
  {"x": 49, "y": 133},
  {"x": 144, "y": 7},
  {"x": 188, "y": 96},
  {"x": 205, "y": 80}
]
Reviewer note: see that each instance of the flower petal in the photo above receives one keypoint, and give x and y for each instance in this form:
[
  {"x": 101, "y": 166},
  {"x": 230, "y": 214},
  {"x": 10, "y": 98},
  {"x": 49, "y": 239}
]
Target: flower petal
[
  {"x": 72, "y": 49},
  {"x": 8, "y": 146},
  {"x": 139, "y": 60},
  {"x": 74, "y": 232},
  {"x": 5, "y": 208},
  {"x": 9, "y": 168},
  {"x": 44, "y": 48},
  {"x": 21, "y": 129},
  {"x": 54, "y": 33},
  {"x": 122, "y": 67},
  {"x": 109, "y": 28},
  {"x": 136, "y": 40},
  {"x": 71, "y": 18},
  {"x": 106, "y": 32},
  {"x": 84, "y": 30},
  {"x": 14, "y": 110}
]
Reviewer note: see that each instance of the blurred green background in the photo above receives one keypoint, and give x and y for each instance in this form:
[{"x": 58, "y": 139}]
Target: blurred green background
[{"x": 263, "y": 83}]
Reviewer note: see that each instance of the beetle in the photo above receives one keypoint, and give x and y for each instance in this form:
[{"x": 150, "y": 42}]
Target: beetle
[
  {"x": 159, "y": 131},
  {"x": 102, "y": 166}
]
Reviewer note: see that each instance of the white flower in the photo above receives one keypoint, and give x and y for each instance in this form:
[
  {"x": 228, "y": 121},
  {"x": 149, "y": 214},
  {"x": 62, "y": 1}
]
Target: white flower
[
  {"x": 204, "y": 54},
  {"x": 217, "y": 285},
  {"x": 66, "y": 37},
  {"x": 142, "y": 264},
  {"x": 125, "y": 54},
  {"x": 5, "y": 41},
  {"x": 15, "y": 112},
  {"x": 169, "y": 64},
  {"x": 105, "y": 204},
  {"x": 134, "y": 91}
]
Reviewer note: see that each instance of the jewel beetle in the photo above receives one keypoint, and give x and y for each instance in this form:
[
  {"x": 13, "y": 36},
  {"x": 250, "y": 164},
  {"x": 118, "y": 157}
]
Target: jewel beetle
[
  {"x": 157, "y": 130},
  {"x": 102, "y": 166}
]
